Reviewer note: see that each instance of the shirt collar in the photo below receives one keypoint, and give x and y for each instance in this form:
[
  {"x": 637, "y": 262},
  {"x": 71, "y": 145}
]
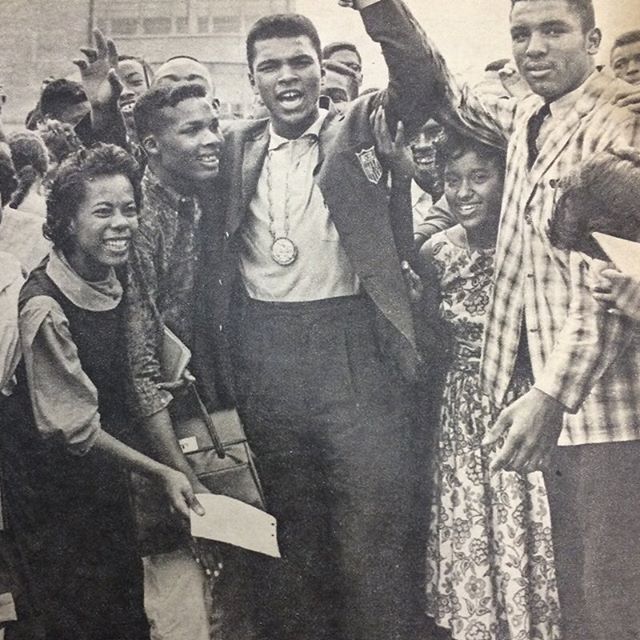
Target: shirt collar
[
  {"x": 92, "y": 296},
  {"x": 563, "y": 105},
  {"x": 418, "y": 193},
  {"x": 172, "y": 197},
  {"x": 276, "y": 141}
]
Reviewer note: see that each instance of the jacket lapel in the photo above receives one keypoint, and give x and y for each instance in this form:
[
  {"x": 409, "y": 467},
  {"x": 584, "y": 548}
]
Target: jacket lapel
[
  {"x": 563, "y": 132},
  {"x": 244, "y": 181}
]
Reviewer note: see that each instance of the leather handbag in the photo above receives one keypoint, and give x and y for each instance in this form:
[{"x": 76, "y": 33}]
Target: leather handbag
[{"x": 216, "y": 447}]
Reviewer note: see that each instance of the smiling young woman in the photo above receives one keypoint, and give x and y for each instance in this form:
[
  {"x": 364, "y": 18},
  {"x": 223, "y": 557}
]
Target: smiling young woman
[
  {"x": 480, "y": 521},
  {"x": 67, "y": 481}
]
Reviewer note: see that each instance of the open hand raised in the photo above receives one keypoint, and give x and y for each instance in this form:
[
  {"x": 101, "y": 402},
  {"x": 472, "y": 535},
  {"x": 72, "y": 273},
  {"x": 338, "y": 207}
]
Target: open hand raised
[{"x": 99, "y": 70}]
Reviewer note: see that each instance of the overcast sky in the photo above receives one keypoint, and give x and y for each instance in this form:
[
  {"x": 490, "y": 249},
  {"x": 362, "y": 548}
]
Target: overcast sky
[{"x": 470, "y": 33}]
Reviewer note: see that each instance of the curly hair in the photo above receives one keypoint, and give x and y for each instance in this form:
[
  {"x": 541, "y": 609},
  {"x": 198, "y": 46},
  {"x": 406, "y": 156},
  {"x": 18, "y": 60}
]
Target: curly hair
[
  {"x": 68, "y": 189},
  {"x": 29, "y": 157},
  {"x": 603, "y": 194},
  {"x": 454, "y": 144}
]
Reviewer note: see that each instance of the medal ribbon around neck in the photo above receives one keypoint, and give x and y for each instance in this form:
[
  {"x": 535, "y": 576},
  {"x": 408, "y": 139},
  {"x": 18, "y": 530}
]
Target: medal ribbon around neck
[{"x": 283, "y": 250}]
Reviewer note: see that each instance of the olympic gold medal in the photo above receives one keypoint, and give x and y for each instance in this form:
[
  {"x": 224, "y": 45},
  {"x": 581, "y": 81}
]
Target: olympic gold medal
[{"x": 284, "y": 252}]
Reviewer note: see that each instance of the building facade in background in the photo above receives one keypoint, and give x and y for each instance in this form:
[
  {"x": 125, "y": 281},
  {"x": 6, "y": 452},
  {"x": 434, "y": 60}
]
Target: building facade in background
[{"x": 39, "y": 38}]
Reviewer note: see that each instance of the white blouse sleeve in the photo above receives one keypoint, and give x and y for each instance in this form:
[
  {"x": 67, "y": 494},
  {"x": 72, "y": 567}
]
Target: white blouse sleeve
[{"x": 64, "y": 400}]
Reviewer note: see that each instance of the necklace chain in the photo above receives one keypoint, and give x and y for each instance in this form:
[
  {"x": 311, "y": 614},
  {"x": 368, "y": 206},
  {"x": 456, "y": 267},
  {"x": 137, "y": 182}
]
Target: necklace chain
[{"x": 272, "y": 222}]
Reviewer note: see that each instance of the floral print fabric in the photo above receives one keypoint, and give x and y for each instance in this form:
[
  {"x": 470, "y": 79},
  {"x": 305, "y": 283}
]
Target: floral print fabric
[{"x": 490, "y": 570}]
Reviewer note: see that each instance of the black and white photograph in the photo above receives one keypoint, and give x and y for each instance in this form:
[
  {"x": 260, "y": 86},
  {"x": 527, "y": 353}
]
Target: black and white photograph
[{"x": 319, "y": 320}]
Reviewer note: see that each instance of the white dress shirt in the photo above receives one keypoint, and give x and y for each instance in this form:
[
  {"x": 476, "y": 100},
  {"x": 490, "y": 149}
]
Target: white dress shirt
[{"x": 288, "y": 203}]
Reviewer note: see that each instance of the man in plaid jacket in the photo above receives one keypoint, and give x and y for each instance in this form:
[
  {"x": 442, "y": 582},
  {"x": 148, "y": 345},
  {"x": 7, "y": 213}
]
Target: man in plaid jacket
[{"x": 585, "y": 362}]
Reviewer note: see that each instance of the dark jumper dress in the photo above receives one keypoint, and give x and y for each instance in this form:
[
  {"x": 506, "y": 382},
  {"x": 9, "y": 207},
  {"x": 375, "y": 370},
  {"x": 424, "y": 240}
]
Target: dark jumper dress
[{"x": 71, "y": 514}]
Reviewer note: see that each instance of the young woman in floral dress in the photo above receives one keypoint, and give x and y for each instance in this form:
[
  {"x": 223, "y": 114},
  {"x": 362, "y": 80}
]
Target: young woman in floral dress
[{"x": 490, "y": 569}]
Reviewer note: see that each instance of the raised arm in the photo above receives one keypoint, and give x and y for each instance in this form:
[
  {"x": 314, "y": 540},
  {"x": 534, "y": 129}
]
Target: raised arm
[
  {"x": 410, "y": 96},
  {"x": 103, "y": 87},
  {"x": 421, "y": 84}
]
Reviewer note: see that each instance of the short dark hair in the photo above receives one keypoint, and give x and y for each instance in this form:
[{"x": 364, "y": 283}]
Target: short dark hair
[
  {"x": 69, "y": 185},
  {"x": 629, "y": 37},
  {"x": 146, "y": 113},
  {"x": 583, "y": 8},
  {"x": 603, "y": 194},
  {"x": 281, "y": 25},
  {"x": 60, "y": 94},
  {"x": 454, "y": 144},
  {"x": 341, "y": 45}
]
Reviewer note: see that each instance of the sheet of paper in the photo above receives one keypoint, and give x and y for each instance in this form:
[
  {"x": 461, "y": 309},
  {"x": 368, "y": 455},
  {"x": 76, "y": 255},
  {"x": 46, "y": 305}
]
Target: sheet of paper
[
  {"x": 623, "y": 253},
  {"x": 235, "y": 522}
]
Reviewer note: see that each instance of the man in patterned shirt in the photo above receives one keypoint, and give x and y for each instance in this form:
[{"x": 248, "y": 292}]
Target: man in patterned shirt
[
  {"x": 585, "y": 364},
  {"x": 178, "y": 129}
]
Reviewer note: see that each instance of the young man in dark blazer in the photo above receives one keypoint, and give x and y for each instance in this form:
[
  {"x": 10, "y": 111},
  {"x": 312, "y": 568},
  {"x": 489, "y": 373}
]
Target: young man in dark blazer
[{"x": 314, "y": 326}]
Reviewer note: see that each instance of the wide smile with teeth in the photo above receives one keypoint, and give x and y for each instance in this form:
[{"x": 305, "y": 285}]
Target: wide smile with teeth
[
  {"x": 117, "y": 246},
  {"x": 208, "y": 159},
  {"x": 290, "y": 98}
]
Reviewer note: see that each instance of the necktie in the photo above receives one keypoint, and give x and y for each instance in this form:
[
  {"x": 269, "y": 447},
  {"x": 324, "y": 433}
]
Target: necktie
[{"x": 533, "y": 131}]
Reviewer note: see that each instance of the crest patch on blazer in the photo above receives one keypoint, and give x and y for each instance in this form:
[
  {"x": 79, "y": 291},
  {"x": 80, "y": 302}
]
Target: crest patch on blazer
[{"x": 370, "y": 164}]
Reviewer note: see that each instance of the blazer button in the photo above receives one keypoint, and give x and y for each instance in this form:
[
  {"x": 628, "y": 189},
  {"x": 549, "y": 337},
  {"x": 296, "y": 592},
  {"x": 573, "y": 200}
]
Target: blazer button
[{"x": 227, "y": 235}]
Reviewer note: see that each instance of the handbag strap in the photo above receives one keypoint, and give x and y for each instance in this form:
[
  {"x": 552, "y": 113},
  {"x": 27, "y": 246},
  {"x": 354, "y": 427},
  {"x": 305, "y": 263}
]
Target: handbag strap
[{"x": 208, "y": 421}]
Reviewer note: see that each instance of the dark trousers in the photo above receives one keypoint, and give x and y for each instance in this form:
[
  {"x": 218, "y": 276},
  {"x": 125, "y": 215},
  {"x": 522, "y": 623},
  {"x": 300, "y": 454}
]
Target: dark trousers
[
  {"x": 594, "y": 494},
  {"x": 332, "y": 428}
]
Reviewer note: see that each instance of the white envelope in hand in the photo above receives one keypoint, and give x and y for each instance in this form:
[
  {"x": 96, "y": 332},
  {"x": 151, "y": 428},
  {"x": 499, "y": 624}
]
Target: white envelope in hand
[
  {"x": 237, "y": 523},
  {"x": 625, "y": 254}
]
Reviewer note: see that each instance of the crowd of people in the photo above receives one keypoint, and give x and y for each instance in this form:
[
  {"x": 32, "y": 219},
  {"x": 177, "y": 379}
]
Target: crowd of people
[{"x": 398, "y": 290}]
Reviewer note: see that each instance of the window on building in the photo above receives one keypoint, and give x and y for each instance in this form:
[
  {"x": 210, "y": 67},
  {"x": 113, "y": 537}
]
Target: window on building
[
  {"x": 156, "y": 26},
  {"x": 203, "y": 24},
  {"x": 124, "y": 26},
  {"x": 227, "y": 24},
  {"x": 182, "y": 25}
]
